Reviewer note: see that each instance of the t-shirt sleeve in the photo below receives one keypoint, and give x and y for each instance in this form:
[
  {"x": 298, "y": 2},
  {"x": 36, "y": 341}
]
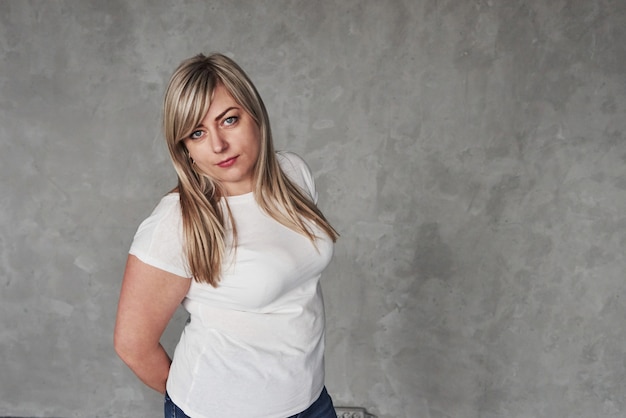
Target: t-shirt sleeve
[
  {"x": 299, "y": 172},
  {"x": 159, "y": 239}
]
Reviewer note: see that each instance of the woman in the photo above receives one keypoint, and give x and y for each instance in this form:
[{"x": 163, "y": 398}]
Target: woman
[{"x": 241, "y": 244}]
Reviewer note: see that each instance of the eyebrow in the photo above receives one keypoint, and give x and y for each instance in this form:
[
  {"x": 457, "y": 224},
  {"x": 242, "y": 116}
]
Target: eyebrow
[{"x": 218, "y": 117}]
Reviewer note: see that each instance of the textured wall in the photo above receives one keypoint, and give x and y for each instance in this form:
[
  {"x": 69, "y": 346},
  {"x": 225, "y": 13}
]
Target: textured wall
[{"x": 471, "y": 153}]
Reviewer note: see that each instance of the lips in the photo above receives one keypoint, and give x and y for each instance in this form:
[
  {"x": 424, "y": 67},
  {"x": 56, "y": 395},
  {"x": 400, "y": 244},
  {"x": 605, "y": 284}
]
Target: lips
[{"x": 227, "y": 163}]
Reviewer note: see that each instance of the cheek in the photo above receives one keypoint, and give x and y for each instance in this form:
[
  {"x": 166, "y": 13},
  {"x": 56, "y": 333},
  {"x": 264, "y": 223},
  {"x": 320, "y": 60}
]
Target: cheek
[
  {"x": 257, "y": 143},
  {"x": 194, "y": 149}
]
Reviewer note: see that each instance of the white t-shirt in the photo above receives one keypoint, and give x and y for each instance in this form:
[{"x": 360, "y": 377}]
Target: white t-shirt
[{"x": 254, "y": 346}]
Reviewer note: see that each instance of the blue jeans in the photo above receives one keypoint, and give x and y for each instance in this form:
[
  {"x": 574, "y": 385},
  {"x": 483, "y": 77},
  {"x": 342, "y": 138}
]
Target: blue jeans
[
  {"x": 321, "y": 408},
  {"x": 171, "y": 410}
]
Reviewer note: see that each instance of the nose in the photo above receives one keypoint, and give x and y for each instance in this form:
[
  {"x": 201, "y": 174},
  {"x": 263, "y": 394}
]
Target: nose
[{"x": 218, "y": 143}]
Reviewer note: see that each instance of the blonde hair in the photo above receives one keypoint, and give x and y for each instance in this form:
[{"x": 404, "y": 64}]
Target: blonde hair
[{"x": 187, "y": 100}]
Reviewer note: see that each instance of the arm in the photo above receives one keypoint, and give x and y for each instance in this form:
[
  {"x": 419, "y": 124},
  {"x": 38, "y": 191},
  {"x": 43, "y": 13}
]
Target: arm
[{"x": 148, "y": 299}]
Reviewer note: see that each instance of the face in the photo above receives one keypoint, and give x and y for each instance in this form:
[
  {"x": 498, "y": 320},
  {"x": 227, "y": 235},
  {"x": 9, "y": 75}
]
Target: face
[{"x": 226, "y": 144}]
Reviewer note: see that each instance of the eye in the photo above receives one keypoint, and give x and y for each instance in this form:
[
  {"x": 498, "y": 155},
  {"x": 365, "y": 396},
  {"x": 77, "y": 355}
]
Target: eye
[
  {"x": 196, "y": 134},
  {"x": 231, "y": 120}
]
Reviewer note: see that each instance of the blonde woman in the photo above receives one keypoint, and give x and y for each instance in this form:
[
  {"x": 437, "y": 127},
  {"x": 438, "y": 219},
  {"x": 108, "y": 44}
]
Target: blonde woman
[{"x": 241, "y": 244}]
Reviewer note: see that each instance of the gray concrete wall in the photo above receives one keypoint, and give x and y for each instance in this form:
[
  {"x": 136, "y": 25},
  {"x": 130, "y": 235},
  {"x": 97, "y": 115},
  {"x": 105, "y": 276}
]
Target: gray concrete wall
[{"x": 471, "y": 153}]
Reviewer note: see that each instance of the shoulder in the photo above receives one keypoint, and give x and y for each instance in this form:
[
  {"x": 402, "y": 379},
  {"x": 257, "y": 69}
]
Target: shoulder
[
  {"x": 297, "y": 170},
  {"x": 159, "y": 239},
  {"x": 166, "y": 213},
  {"x": 290, "y": 161}
]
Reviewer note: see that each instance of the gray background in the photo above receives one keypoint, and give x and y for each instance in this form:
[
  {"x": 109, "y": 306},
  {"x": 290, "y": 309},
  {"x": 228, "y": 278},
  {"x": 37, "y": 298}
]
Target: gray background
[{"x": 470, "y": 152}]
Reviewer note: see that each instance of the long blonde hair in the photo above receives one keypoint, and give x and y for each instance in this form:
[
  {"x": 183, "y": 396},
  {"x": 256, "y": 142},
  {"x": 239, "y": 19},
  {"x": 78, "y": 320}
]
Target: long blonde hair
[{"x": 187, "y": 100}]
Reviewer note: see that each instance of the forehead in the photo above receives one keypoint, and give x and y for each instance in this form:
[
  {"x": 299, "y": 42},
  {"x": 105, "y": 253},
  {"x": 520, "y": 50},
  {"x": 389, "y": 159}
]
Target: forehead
[{"x": 221, "y": 100}]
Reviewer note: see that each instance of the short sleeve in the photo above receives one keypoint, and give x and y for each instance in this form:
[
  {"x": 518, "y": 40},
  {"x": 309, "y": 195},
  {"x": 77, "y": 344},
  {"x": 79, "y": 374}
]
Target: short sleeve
[
  {"x": 299, "y": 172},
  {"x": 159, "y": 239}
]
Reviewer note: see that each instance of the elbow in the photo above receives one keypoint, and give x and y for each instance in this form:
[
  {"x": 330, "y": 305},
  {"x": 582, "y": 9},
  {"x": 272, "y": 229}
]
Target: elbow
[
  {"x": 120, "y": 347},
  {"x": 133, "y": 348},
  {"x": 125, "y": 348}
]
